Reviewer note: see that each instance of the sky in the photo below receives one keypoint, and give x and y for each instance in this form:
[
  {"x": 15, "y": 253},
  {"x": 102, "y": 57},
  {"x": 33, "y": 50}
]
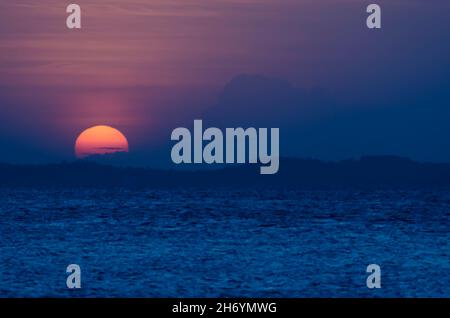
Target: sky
[{"x": 312, "y": 68}]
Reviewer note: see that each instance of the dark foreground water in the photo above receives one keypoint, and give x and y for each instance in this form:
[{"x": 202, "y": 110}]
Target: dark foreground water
[{"x": 201, "y": 243}]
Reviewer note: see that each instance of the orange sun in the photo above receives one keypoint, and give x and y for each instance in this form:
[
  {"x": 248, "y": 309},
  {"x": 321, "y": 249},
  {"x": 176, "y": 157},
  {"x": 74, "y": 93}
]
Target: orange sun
[{"x": 100, "y": 140}]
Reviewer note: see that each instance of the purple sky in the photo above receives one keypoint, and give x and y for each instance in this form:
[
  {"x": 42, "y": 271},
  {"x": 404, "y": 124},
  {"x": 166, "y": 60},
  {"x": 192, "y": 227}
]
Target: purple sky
[{"x": 146, "y": 67}]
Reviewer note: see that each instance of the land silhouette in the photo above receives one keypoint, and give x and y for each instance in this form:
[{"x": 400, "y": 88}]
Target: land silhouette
[{"x": 369, "y": 171}]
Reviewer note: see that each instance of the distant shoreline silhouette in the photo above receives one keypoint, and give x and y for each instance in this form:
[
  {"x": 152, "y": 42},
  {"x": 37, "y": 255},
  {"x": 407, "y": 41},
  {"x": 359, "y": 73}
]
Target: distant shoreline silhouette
[{"x": 370, "y": 171}]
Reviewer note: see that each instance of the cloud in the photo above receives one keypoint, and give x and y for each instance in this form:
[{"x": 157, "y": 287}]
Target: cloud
[
  {"x": 314, "y": 123},
  {"x": 256, "y": 100}
]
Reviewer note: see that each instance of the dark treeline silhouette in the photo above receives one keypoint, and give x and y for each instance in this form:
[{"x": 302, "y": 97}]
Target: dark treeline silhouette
[{"x": 377, "y": 171}]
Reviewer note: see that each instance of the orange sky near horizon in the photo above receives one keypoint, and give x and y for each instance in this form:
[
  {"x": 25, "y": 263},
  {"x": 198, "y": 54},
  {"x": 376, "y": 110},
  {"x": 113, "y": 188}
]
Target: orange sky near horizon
[{"x": 147, "y": 66}]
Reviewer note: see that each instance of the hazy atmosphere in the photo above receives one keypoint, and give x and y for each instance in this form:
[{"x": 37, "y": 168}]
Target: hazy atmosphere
[{"x": 334, "y": 88}]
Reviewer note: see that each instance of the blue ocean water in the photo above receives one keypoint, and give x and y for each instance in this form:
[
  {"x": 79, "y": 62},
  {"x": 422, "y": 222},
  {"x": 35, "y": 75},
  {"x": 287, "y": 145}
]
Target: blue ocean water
[{"x": 223, "y": 243}]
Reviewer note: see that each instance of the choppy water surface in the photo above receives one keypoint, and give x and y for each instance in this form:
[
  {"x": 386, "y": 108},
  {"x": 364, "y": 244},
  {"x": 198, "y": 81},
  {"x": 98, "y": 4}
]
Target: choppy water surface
[{"x": 198, "y": 243}]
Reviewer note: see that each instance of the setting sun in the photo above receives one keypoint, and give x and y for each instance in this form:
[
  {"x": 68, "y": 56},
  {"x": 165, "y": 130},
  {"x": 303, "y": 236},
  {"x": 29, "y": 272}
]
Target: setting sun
[{"x": 100, "y": 140}]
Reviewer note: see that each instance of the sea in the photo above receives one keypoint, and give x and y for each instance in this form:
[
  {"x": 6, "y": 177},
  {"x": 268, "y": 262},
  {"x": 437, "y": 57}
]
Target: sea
[{"x": 224, "y": 242}]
